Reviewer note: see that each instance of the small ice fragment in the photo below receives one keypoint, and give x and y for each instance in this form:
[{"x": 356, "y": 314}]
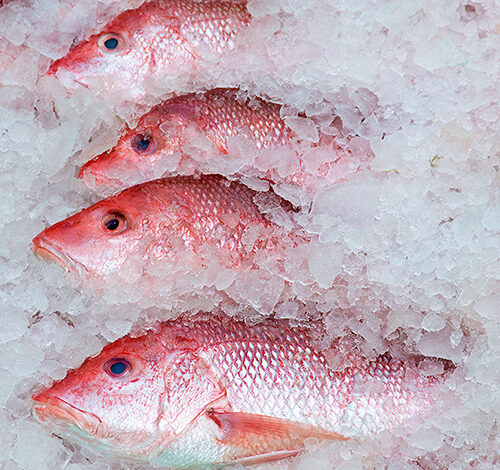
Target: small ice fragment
[
  {"x": 354, "y": 201},
  {"x": 488, "y": 307},
  {"x": 118, "y": 326},
  {"x": 36, "y": 450},
  {"x": 304, "y": 128},
  {"x": 491, "y": 219},
  {"x": 325, "y": 263},
  {"x": 430, "y": 367},
  {"x": 438, "y": 51},
  {"x": 433, "y": 322},
  {"x": 225, "y": 278},
  {"x": 17, "y": 326},
  {"x": 427, "y": 439},
  {"x": 259, "y": 8}
]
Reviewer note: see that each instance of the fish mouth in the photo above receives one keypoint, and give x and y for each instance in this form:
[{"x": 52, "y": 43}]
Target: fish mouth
[
  {"x": 51, "y": 409},
  {"x": 47, "y": 250},
  {"x": 66, "y": 76}
]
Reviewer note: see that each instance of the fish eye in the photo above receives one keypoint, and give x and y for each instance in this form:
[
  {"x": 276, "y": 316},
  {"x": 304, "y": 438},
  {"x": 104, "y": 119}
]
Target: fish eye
[
  {"x": 110, "y": 42},
  {"x": 117, "y": 367},
  {"x": 114, "y": 223},
  {"x": 143, "y": 144}
]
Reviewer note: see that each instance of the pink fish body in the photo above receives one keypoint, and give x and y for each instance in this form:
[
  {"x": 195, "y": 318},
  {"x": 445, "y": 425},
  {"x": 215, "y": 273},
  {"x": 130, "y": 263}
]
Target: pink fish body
[
  {"x": 193, "y": 394},
  {"x": 170, "y": 218},
  {"x": 158, "y": 39},
  {"x": 159, "y": 143}
]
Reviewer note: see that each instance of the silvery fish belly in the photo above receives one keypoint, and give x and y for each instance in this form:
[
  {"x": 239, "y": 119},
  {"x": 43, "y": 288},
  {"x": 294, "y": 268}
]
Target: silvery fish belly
[
  {"x": 187, "y": 221},
  {"x": 159, "y": 39},
  {"x": 195, "y": 393},
  {"x": 162, "y": 141}
]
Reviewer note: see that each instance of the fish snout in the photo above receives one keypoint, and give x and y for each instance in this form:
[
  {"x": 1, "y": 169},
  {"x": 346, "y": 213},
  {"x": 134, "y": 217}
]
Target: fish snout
[
  {"x": 41, "y": 397},
  {"x": 45, "y": 249},
  {"x": 70, "y": 73},
  {"x": 39, "y": 246},
  {"x": 50, "y": 408},
  {"x": 106, "y": 170},
  {"x": 36, "y": 243},
  {"x": 87, "y": 173},
  {"x": 54, "y": 67},
  {"x": 57, "y": 66},
  {"x": 46, "y": 407}
]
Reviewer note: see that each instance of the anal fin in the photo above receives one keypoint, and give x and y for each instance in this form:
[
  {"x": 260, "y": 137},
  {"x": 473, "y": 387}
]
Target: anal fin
[{"x": 263, "y": 458}]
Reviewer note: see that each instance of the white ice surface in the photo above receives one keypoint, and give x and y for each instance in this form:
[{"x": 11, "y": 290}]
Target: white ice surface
[{"x": 410, "y": 247}]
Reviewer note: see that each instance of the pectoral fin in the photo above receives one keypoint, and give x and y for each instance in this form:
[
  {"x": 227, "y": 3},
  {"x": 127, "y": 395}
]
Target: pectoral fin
[{"x": 244, "y": 427}]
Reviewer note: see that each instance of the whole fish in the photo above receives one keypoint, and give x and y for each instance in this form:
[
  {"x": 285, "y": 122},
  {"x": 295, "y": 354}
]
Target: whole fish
[
  {"x": 158, "y": 39},
  {"x": 153, "y": 147},
  {"x": 170, "y": 218},
  {"x": 193, "y": 394}
]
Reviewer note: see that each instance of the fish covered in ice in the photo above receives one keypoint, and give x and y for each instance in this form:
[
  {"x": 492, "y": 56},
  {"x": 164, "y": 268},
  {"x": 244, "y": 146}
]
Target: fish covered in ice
[
  {"x": 192, "y": 221},
  {"x": 159, "y": 39},
  {"x": 197, "y": 393},
  {"x": 161, "y": 143}
]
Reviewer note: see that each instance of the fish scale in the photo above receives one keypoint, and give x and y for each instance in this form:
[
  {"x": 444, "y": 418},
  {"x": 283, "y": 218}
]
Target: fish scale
[
  {"x": 223, "y": 115},
  {"x": 210, "y": 23},
  {"x": 292, "y": 381}
]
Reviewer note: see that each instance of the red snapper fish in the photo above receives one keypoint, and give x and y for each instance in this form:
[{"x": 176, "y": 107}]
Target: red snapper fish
[
  {"x": 157, "y": 145},
  {"x": 193, "y": 394},
  {"x": 166, "y": 219},
  {"x": 157, "y": 40}
]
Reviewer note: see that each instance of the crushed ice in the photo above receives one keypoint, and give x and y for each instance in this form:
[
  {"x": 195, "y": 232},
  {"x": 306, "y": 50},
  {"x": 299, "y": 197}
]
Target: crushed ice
[{"x": 405, "y": 255}]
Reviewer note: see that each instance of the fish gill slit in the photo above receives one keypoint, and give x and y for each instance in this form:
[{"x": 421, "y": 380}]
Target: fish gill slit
[{"x": 161, "y": 405}]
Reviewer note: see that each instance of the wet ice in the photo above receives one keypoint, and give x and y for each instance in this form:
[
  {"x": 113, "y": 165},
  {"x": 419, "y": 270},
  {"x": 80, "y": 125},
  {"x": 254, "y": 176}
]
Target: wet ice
[{"x": 410, "y": 245}]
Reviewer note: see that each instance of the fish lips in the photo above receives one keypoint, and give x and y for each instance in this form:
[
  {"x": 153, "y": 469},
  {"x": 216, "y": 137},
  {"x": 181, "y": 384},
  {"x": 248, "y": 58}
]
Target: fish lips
[
  {"x": 53, "y": 410},
  {"x": 67, "y": 78},
  {"x": 45, "y": 249}
]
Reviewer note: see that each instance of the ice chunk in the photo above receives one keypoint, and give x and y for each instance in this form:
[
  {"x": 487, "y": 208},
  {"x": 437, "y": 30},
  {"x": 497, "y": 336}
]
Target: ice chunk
[
  {"x": 443, "y": 52},
  {"x": 491, "y": 219},
  {"x": 325, "y": 263},
  {"x": 353, "y": 201},
  {"x": 35, "y": 450},
  {"x": 433, "y": 322},
  {"x": 304, "y": 128},
  {"x": 403, "y": 253},
  {"x": 489, "y": 307},
  {"x": 427, "y": 439}
]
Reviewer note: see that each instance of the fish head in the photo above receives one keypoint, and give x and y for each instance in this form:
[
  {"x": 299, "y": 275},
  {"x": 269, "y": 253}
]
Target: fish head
[
  {"x": 143, "y": 153},
  {"x": 98, "y": 240},
  {"x": 112, "y": 400},
  {"x": 165, "y": 220},
  {"x": 114, "y": 58},
  {"x": 145, "y": 398}
]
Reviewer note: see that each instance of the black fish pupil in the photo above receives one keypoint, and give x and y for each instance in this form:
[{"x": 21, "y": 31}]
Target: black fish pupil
[
  {"x": 112, "y": 224},
  {"x": 111, "y": 43},
  {"x": 118, "y": 368},
  {"x": 142, "y": 144}
]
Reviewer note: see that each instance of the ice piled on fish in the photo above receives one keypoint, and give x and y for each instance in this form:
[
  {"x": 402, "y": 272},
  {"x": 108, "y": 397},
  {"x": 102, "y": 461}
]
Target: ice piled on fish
[
  {"x": 226, "y": 131},
  {"x": 417, "y": 236}
]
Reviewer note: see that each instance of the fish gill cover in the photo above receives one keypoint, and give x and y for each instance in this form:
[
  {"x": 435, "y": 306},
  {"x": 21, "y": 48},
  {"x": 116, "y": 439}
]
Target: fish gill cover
[{"x": 404, "y": 255}]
